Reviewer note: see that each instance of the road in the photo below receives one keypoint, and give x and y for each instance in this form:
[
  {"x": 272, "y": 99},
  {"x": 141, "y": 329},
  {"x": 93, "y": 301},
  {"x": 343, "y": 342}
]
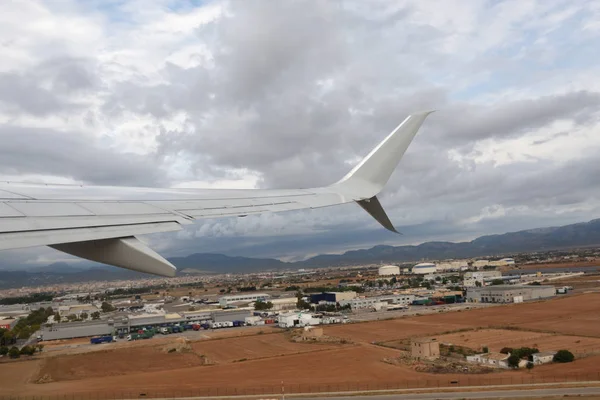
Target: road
[
  {"x": 496, "y": 394},
  {"x": 414, "y": 310}
]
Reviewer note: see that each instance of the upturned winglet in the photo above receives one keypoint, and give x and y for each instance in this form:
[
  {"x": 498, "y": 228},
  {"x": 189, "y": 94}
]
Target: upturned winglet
[{"x": 369, "y": 177}]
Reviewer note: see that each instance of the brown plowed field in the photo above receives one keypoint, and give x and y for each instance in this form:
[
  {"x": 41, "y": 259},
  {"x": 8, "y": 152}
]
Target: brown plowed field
[
  {"x": 144, "y": 367},
  {"x": 571, "y": 315},
  {"x": 496, "y": 339},
  {"x": 114, "y": 363},
  {"x": 253, "y": 347}
]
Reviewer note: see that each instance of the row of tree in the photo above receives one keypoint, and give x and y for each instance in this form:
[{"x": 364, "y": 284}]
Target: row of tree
[
  {"x": 31, "y": 298},
  {"x": 14, "y": 352}
]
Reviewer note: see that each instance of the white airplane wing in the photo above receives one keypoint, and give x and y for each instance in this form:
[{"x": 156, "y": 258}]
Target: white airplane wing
[{"x": 100, "y": 223}]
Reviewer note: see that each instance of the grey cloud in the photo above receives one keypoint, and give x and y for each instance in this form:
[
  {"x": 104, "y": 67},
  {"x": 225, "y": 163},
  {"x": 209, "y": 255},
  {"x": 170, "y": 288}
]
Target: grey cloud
[
  {"x": 74, "y": 155},
  {"x": 45, "y": 88},
  {"x": 470, "y": 123}
]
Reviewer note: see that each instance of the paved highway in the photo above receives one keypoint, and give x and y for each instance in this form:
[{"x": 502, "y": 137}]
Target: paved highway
[{"x": 496, "y": 394}]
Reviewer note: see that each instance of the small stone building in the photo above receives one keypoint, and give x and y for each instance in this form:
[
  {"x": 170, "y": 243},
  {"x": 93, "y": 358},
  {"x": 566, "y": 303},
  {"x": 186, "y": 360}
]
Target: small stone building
[{"x": 425, "y": 349}]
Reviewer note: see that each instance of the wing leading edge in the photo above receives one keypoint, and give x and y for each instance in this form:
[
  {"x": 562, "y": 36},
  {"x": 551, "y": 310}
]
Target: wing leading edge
[{"x": 100, "y": 223}]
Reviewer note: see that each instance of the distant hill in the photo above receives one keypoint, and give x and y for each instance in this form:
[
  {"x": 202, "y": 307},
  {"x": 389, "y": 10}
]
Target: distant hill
[
  {"x": 541, "y": 239},
  {"x": 219, "y": 263}
]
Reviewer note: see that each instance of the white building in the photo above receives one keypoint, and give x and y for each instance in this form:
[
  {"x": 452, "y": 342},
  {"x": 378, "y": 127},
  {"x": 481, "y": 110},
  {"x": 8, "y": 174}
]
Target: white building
[
  {"x": 387, "y": 270},
  {"x": 286, "y": 303},
  {"x": 379, "y": 302},
  {"x": 471, "y": 278},
  {"x": 498, "y": 360},
  {"x": 503, "y": 262},
  {"x": 543, "y": 357},
  {"x": 480, "y": 263},
  {"x": 77, "y": 310},
  {"x": 453, "y": 265},
  {"x": 424, "y": 268},
  {"x": 297, "y": 319},
  {"x": 250, "y": 297},
  {"x": 508, "y": 293}
]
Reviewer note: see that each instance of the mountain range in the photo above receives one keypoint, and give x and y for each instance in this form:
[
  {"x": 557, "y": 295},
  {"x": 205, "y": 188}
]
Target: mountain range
[{"x": 541, "y": 239}]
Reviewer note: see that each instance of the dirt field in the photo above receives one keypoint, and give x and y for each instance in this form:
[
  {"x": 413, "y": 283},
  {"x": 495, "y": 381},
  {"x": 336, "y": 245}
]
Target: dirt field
[
  {"x": 121, "y": 370},
  {"x": 496, "y": 339},
  {"x": 581, "y": 282}
]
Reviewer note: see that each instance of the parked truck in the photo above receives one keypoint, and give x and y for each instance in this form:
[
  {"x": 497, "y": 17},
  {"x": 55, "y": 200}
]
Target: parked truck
[{"x": 101, "y": 339}]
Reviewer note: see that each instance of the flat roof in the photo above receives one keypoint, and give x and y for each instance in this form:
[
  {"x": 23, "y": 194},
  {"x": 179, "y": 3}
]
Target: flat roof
[
  {"x": 496, "y": 356},
  {"x": 514, "y": 287},
  {"x": 424, "y": 340}
]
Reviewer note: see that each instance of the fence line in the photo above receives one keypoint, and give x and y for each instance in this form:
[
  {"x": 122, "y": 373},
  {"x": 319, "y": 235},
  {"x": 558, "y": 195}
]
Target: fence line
[{"x": 294, "y": 388}]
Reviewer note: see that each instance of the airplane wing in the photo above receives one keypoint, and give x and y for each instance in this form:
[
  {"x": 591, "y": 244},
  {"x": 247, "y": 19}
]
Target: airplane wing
[{"x": 100, "y": 223}]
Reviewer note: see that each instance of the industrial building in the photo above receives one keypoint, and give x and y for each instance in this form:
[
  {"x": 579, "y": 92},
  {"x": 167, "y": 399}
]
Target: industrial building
[
  {"x": 470, "y": 279},
  {"x": 424, "y": 268},
  {"x": 130, "y": 323},
  {"x": 388, "y": 270},
  {"x": 8, "y": 323},
  {"x": 286, "y": 303},
  {"x": 508, "y": 293},
  {"x": 77, "y": 310},
  {"x": 297, "y": 319},
  {"x": 378, "y": 301},
  {"x": 453, "y": 265},
  {"x": 331, "y": 297},
  {"x": 225, "y": 301}
]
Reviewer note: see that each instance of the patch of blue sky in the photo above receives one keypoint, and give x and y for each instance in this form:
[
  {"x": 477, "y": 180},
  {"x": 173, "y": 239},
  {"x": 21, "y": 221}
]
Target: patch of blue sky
[{"x": 533, "y": 57}]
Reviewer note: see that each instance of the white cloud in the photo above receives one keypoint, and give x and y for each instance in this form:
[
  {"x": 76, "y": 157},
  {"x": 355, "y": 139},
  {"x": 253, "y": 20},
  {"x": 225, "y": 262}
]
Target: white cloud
[{"x": 262, "y": 94}]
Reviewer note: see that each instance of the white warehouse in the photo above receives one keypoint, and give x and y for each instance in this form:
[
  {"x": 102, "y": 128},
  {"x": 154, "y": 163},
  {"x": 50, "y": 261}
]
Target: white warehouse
[
  {"x": 247, "y": 297},
  {"x": 424, "y": 268},
  {"x": 297, "y": 319},
  {"x": 387, "y": 270}
]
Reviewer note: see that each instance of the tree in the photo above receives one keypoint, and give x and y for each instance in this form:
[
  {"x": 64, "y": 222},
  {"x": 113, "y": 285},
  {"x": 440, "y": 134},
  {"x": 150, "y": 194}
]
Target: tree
[
  {"x": 563, "y": 356},
  {"x": 506, "y": 350},
  {"x": 14, "y": 352},
  {"x": 497, "y": 282},
  {"x": 486, "y": 349},
  {"x": 3, "y": 350},
  {"x": 28, "y": 350},
  {"x": 302, "y": 305},
  {"x": 477, "y": 283},
  {"x": 107, "y": 307},
  {"x": 529, "y": 365},
  {"x": 7, "y": 338},
  {"x": 71, "y": 317},
  {"x": 261, "y": 305},
  {"x": 96, "y": 315},
  {"x": 83, "y": 315},
  {"x": 40, "y": 347},
  {"x": 513, "y": 361}
]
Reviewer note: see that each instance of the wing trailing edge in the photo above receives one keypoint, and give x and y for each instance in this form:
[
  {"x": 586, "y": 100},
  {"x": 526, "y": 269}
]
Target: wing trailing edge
[{"x": 127, "y": 252}]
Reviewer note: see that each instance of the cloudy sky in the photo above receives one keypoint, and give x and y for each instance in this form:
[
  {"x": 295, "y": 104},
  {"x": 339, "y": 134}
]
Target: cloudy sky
[{"x": 282, "y": 94}]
